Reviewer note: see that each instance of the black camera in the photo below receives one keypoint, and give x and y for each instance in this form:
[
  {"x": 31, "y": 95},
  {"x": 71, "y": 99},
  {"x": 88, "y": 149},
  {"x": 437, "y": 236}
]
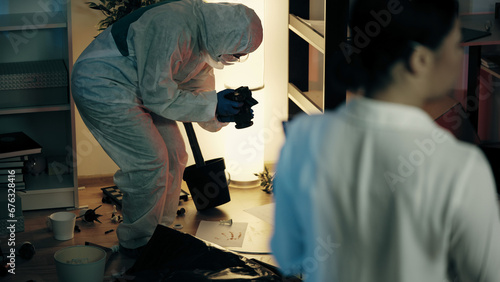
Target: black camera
[{"x": 244, "y": 118}]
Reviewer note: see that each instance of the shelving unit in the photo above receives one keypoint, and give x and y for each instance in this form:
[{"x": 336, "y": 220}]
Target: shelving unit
[
  {"x": 477, "y": 22},
  {"x": 17, "y": 21},
  {"x": 309, "y": 90},
  {"x": 34, "y": 31},
  {"x": 493, "y": 71}
]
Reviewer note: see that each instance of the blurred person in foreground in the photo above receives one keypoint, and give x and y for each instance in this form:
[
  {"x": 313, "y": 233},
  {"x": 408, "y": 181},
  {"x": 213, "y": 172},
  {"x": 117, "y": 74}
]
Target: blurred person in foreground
[{"x": 375, "y": 190}]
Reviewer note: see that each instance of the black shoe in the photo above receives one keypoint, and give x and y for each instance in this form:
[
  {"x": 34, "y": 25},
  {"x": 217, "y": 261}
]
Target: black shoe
[{"x": 131, "y": 253}]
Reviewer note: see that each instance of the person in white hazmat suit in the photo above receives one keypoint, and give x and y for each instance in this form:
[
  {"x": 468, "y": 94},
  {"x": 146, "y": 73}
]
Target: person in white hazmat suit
[{"x": 144, "y": 72}]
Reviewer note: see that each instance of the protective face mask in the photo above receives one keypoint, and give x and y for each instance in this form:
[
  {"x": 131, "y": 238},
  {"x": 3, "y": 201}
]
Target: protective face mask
[
  {"x": 228, "y": 59},
  {"x": 211, "y": 62}
]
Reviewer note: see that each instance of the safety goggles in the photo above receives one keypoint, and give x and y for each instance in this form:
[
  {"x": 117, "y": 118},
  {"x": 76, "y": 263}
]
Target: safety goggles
[
  {"x": 229, "y": 59},
  {"x": 241, "y": 57}
]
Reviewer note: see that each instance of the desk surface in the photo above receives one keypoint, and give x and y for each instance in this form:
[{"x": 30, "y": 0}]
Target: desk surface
[{"x": 478, "y": 22}]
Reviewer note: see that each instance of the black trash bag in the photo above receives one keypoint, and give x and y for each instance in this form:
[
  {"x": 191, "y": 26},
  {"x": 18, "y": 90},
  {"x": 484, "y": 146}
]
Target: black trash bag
[{"x": 171, "y": 255}]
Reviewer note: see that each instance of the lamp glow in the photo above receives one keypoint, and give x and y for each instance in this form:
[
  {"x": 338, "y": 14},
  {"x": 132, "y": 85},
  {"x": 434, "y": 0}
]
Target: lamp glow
[{"x": 244, "y": 148}]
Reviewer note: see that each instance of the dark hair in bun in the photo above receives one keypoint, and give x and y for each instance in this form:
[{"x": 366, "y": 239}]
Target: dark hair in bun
[{"x": 384, "y": 32}]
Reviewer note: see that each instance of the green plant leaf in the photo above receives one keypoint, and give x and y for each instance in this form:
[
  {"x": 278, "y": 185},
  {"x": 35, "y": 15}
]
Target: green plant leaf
[
  {"x": 117, "y": 9},
  {"x": 92, "y": 5}
]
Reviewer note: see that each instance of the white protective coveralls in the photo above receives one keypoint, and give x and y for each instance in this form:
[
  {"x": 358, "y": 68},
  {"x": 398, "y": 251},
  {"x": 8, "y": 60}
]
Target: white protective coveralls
[
  {"x": 376, "y": 191},
  {"x": 138, "y": 77}
]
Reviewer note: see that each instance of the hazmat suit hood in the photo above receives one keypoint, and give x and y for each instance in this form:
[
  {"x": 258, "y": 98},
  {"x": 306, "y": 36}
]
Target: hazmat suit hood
[{"x": 229, "y": 29}]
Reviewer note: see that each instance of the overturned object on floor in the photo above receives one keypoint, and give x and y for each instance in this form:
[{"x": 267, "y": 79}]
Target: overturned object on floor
[
  {"x": 206, "y": 180},
  {"x": 172, "y": 255},
  {"x": 113, "y": 195}
]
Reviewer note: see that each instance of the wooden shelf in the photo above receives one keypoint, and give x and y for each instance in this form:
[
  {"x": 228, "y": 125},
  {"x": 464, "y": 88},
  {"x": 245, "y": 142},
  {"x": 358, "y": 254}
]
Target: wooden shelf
[
  {"x": 25, "y": 21},
  {"x": 44, "y": 111},
  {"x": 310, "y": 31},
  {"x": 47, "y": 199},
  {"x": 48, "y": 191},
  {"x": 27, "y": 110},
  {"x": 477, "y": 22},
  {"x": 495, "y": 72},
  {"x": 309, "y": 88},
  {"x": 305, "y": 101}
]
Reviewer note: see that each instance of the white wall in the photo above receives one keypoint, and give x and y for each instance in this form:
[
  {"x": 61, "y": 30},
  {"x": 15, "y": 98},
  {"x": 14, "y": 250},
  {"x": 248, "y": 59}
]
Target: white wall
[
  {"x": 92, "y": 160},
  {"x": 276, "y": 76},
  {"x": 477, "y": 6}
]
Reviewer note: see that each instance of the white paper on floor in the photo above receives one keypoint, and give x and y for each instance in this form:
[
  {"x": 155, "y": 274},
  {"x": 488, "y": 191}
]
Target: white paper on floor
[
  {"x": 222, "y": 235},
  {"x": 265, "y": 212}
]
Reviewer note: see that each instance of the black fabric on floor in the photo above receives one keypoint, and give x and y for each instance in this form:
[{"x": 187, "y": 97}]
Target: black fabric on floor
[{"x": 172, "y": 255}]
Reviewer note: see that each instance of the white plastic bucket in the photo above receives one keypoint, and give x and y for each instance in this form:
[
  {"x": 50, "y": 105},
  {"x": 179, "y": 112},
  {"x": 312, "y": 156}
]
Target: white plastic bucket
[
  {"x": 80, "y": 264},
  {"x": 63, "y": 225}
]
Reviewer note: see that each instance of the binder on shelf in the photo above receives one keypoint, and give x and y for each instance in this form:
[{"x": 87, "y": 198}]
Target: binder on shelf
[
  {"x": 18, "y": 177},
  {"x": 12, "y": 172},
  {"x": 6, "y": 171},
  {"x": 11, "y": 165},
  {"x": 17, "y": 144},
  {"x": 15, "y": 185},
  {"x": 14, "y": 159}
]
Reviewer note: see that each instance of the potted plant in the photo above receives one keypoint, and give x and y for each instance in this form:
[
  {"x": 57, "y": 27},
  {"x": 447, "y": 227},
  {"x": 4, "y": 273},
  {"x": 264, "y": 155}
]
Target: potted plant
[
  {"x": 117, "y": 9},
  {"x": 266, "y": 180}
]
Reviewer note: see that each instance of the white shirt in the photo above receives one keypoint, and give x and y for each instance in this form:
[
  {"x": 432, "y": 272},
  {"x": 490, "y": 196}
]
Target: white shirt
[{"x": 376, "y": 191}]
